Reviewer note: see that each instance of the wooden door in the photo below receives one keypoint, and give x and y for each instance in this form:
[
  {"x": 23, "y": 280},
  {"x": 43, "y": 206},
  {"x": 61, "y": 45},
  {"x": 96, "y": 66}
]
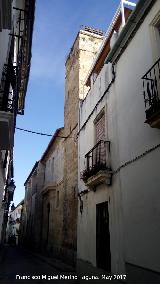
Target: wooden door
[{"x": 103, "y": 254}]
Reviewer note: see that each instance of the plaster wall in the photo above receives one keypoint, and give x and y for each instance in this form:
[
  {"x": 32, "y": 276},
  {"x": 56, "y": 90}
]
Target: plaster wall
[
  {"x": 13, "y": 228},
  {"x": 133, "y": 208},
  {"x": 87, "y": 224},
  {"x": 139, "y": 181},
  {"x": 86, "y": 246},
  {"x": 16, "y": 213}
]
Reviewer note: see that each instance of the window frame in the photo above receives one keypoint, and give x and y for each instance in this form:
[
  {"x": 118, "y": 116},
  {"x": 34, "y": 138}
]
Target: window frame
[{"x": 98, "y": 117}]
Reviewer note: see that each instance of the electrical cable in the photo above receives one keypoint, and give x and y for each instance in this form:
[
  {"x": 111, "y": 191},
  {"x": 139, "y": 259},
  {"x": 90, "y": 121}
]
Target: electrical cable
[
  {"x": 34, "y": 132},
  {"x": 46, "y": 134}
]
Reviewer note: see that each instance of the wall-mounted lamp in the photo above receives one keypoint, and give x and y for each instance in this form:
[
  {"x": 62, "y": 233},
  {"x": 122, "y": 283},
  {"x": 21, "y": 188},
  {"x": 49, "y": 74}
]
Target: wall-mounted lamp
[
  {"x": 80, "y": 199},
  {"x": 11, "y": 186},
  {"x": 10, "y": 189}
]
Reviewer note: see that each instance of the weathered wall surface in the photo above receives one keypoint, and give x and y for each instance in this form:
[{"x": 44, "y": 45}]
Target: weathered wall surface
[
  {"x": 1, "y": 198},
  {"x": 77, "y": 67},
  {"x": 52, "y": 194}
]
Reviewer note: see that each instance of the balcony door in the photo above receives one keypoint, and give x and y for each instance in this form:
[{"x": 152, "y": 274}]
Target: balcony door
[{"x": 103, "y": 254}]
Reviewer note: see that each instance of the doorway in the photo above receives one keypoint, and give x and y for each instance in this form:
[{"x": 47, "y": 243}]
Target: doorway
[{"x": 103, "y": 253}]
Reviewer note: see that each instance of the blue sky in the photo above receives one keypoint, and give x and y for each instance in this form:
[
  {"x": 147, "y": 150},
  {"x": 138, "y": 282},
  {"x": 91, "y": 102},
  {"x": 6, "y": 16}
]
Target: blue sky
[{"x": 56, "y": 25}]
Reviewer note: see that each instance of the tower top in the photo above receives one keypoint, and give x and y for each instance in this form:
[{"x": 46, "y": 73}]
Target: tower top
[{"x": 93, "y": 30}]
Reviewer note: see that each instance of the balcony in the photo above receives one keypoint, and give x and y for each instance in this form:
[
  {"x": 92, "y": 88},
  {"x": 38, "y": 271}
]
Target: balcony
[
  {"x": 6, "y": 121},
  {"x": 98, "y": 169},
  {"x": 6, "y": 130},
  {"x": 7, "y": 107},
  {"x": 151, "y": 92},
  {"x": 49, "y": 185}
]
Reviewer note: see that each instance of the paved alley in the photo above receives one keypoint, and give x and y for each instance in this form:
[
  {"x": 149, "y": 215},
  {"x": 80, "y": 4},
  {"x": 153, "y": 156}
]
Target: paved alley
[{"x": 21, "y": 266}]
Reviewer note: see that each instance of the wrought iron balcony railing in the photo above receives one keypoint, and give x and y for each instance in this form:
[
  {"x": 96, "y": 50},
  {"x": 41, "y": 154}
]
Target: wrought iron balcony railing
[
  {"x": 151, "y": 90},
  {"x": 97, "y": 159},
  {"x": 8, "y": 81}
]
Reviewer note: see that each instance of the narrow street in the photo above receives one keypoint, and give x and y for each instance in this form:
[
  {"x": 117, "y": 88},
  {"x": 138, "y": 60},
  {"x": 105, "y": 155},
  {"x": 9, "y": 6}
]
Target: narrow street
[
  {"x": 21, "y": 266},
  {"x": 79, "y": 141},
  {"x": 18, "y": 265}
]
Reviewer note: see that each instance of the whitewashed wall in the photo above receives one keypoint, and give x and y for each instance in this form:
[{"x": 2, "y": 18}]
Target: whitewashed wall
[
  {"x": 134, "y": 195},
  {"x": 87, "y": 137},
  {"x": 5, "y": 42},
  {"x": 139, "y": 182},
  {"x": 86, "y": 236}
]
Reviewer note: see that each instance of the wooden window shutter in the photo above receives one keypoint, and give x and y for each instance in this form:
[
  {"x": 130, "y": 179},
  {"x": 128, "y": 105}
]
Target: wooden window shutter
[{"x": 100, "y": 128}]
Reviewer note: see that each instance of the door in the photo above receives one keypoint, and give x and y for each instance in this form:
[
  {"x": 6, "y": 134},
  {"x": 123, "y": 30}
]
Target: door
[{"x": 103, "y": 254}]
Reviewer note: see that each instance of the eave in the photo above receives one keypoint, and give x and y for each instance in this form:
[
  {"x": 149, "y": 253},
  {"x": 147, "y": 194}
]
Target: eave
[
  {"x": 31, "y": 173},
  {"x": 26, "y": 51},
  {"x": 51, "y": 143},
  {"x": 105, "y": 47},
  {"x": 131, "y": 27}
]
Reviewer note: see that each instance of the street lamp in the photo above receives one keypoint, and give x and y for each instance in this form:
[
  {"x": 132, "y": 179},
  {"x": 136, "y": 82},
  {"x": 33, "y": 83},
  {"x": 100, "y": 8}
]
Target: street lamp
[
  {"x": 10, "y": 189},
  {"x": 3, "y": 204},
  {"x": 11, "y": 186},
  {"x": 12, "y": 207}
]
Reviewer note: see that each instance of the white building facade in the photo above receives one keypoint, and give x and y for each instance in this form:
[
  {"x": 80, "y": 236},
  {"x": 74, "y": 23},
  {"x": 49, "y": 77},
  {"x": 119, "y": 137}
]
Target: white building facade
[
  {"x": 118, "y": 222},
  {"x": 16, "y": 28},
  {"x": 13, "y": 225}
]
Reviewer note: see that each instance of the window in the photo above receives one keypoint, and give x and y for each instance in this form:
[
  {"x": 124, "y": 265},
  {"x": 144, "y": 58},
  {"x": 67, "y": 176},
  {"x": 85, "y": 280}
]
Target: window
[{"x": 100, "y": 127}]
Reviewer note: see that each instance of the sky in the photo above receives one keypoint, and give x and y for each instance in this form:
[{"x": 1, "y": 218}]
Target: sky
[{"x": 56, "y": 25}]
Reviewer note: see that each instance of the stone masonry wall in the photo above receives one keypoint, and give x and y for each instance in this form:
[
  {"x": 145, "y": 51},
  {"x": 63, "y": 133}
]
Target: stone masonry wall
[{"x": 78, "y": 65}]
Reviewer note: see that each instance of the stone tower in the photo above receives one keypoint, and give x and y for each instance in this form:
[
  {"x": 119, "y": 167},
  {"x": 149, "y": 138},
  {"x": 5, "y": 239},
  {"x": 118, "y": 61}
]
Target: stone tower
[{"x": 78, "y": 64}]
